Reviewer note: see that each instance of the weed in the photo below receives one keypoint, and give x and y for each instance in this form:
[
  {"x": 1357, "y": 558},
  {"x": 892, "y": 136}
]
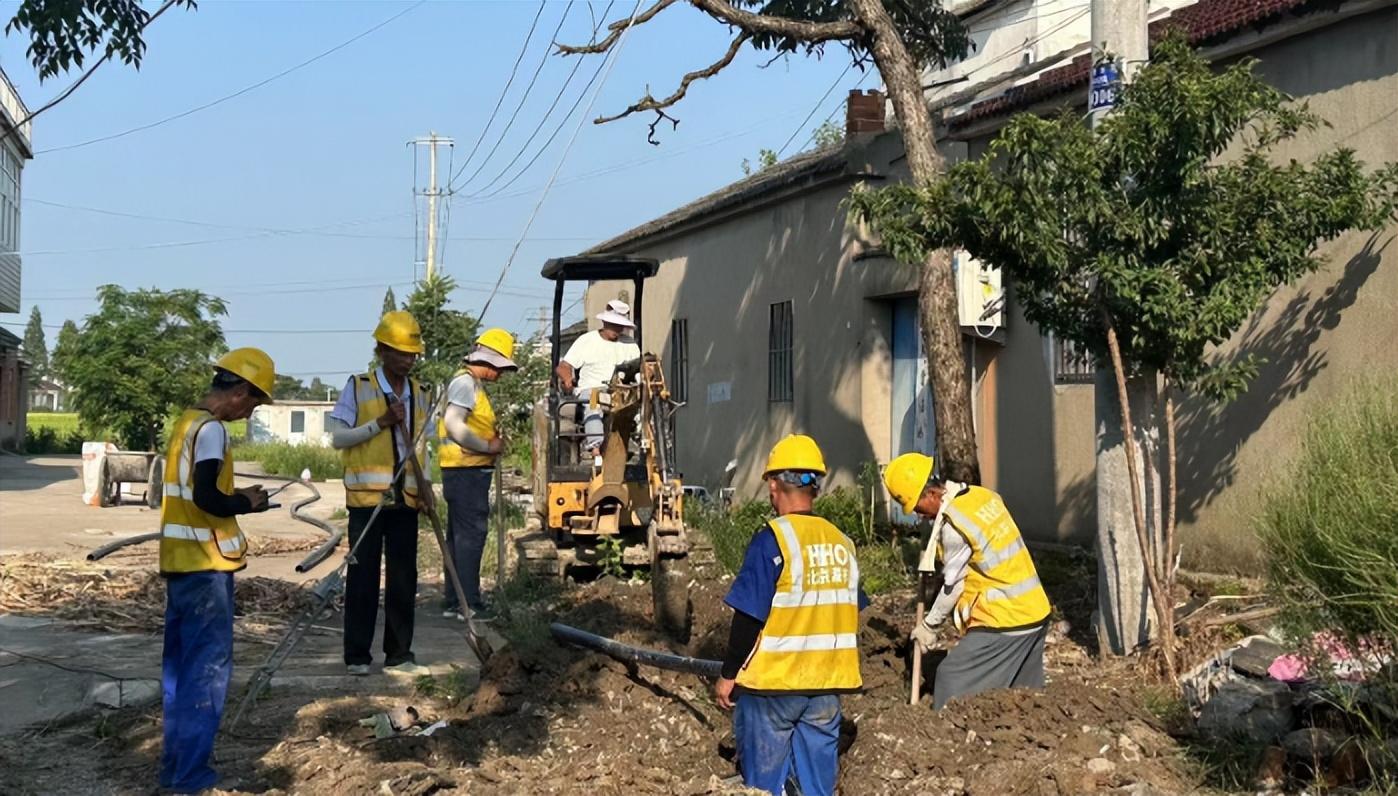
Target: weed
[
  {"x": 451, "y": 688},
  {"x": 48, "y": 440},
  {"x": 728, "y": 530},
  {"x": 287, "y": 460},
  {"x": 1167, "y": 706},
  {"x": 339, "y": 514},
  {"x": 609, "y": 557}
]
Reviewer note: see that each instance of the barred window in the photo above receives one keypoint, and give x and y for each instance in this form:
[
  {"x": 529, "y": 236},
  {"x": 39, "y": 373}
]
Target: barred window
[
  {"x": 1071, "y": 363},
  {"x": 780, "y": 370},
  {"x": 679, "y": 360}
]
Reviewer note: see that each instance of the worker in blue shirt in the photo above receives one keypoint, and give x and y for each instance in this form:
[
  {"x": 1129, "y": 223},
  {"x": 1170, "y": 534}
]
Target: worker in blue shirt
[{"x": 793, "y": 645}]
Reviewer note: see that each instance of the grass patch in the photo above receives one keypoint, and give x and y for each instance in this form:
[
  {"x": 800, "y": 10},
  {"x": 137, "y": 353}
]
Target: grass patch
[
  {"x": 450, "y": 688},
  {"x": 287, "y": 460},
  {"x": 60, "y": 422}
]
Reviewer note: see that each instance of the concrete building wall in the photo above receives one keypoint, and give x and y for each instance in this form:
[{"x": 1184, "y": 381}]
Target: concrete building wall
[
  {"x": 1322, "y": 336},
  {"x": 274, "y": 423}
]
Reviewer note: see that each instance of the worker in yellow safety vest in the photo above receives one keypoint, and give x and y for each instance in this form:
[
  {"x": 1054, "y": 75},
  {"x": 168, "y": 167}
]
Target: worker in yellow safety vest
[
  {"x": 376, "y": 425},
  {"x": 793, "y": 645},
  {"x": 990, "y": 588},
  {"x": 470, "y": 443},
  {"x": 201, "y": 546}
]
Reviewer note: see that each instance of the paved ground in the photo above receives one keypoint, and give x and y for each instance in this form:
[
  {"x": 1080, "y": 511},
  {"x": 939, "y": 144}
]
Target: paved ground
[
  {"x": 41, "y": 510},
  {"x": 50, "y": 671}
]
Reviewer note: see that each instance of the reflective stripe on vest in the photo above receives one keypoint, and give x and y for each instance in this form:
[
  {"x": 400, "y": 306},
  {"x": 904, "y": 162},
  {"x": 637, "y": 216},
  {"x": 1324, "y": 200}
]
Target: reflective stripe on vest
[
  {"x": 809, "y": 642},
  {"x": 191, "y": 540},
  {"x": 479, "y": 421},
  {"x": 369, "y": 465},
  {"x": 1002, "y": 587}
]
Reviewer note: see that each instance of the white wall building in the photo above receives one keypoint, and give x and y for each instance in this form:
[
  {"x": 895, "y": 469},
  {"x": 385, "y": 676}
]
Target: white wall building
[{"x": 297, "y": 422}]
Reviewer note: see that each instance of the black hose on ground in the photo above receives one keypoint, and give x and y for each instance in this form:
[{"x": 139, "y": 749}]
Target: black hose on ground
[
  {"x": 111, "y": 547},
  {"x": 639, "y": 655}
]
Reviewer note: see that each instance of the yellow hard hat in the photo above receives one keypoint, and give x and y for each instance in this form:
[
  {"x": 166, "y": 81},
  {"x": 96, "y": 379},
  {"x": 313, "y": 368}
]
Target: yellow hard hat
[
  {"x": 906, "y": 478},
  {"x": 399, "y": 330},
  {"x": 795, "y": 452},
  {"x": 251, "y": 365},
  {"x": 499, "y": 341}
]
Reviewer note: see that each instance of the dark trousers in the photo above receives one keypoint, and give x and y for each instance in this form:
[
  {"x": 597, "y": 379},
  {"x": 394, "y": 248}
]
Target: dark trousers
[
  {"x": 196, "y": 666},
  {"x": 467, "y": 492},
  {"x": 393, "y": 537}
]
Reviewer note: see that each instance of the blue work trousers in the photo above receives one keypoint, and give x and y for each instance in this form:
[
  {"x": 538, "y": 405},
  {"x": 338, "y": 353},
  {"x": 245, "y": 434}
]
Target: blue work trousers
[
  {"x": 788, "y": 741},
  {"x": 195, "y": 669},
  {"x": 467, "y": 492}
]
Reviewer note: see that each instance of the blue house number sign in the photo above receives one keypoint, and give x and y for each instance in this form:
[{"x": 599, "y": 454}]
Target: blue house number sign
[{"x": 1103, "y": 89}]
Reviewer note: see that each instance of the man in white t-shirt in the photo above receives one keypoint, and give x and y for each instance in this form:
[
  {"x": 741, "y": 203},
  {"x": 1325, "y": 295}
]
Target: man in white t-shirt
[{"x": 590, "y": 361}]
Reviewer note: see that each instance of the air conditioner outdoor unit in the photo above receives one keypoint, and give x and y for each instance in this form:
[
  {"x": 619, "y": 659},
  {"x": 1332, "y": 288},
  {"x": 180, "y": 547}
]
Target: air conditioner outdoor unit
[{"x": 980, "y": 298}]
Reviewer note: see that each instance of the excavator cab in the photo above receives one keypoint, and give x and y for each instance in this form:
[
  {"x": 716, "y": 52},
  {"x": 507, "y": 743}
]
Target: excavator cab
[{"x": 624, "y": 509}]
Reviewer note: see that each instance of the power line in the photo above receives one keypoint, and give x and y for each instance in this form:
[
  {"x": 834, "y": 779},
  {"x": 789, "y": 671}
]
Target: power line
[
  {"x": 523, "y": 48},
  {"x": 819, "y": 103},
  {"x": 239, "y": 92},
  {"x": 577, "y": 63},
  {"x": 614, "y": 55},
  {"x": 519, "y": 105}
]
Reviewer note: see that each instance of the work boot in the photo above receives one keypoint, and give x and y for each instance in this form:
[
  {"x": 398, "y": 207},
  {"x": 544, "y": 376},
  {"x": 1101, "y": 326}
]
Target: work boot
[
  {"x": 483, "y": 613},
  {"x": 358, "y": 669}
]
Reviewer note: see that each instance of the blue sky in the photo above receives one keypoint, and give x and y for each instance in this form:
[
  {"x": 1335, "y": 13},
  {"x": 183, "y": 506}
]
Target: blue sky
[{"x": 323, "y": 149}]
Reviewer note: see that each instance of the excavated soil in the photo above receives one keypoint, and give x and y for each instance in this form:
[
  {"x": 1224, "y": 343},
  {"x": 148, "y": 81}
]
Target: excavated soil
[{"x": 546, "y": 719}]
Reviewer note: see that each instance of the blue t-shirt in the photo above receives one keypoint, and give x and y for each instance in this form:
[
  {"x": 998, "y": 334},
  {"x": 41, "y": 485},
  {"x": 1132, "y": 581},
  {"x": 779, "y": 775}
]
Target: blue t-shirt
[{"x": 756, "y": 581}]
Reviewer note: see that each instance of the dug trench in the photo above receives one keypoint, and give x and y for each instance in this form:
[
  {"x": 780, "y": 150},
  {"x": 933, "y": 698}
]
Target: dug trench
[{"x": 547, "y": 719}]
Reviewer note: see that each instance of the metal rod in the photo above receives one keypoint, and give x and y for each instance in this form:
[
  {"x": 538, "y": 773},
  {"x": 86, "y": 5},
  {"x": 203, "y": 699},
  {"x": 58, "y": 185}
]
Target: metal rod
[{"x": 639, "y": 655}]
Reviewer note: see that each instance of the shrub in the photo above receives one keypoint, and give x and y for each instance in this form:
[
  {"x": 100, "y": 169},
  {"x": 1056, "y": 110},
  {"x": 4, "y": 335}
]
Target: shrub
[
  {"x": 1329, "y": 527},
  {"x": 287, "y": 460},
  {"x": 48, "y": 439},
  {"x": 728, "y": 530}
]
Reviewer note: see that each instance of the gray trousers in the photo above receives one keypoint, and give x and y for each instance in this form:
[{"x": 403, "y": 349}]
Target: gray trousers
[{"x": 984, "y": 660}]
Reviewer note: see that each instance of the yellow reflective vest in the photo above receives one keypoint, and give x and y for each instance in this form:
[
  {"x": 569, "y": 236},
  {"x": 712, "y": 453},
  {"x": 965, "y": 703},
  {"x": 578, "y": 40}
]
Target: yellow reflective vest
[
  {"x": 191, "y": 540},
  {"x": 810, "y": 641},
  {"x": 369, "y": 466},
  {"x": 480, "y": 421},
  {"x": 1002, "y": 588}
]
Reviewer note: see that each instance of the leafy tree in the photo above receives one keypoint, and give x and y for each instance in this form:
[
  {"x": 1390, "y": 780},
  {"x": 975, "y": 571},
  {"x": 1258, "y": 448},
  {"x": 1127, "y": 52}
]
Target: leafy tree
[
  {"x": 828, "y": 134},
  {"x": 447, "y": 334},
  {"x": 320, "y": 391},
  {"x": 35, "y": 350},
  {"x": 900, "y": 37},
  {"x": 1147, "y": 243},
  {"x": 766, "y": 159},
  {"x": 67, "y": 339},
  {"x": 62, "y": 33},
  {"x": 288, "y": 388},
  {"x": 513, "y": 397},
  {"x": 142, "y": 356},
  {"x": 390, "y": 302}
]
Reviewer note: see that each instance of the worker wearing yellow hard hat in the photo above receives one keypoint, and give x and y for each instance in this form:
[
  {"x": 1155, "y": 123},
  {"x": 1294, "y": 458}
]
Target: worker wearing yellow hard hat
[
  {"x": 376, "y": 425},
  {"x": 201, "y": 546},
  {"x": 990, "y": 588},
  {"x": 792, "y": 647},
  {"x": 470, "y": 442}
]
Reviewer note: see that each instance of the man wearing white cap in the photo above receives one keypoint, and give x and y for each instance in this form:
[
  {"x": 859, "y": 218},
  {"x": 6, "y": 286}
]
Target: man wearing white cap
[{"x": 590, "y": 361}]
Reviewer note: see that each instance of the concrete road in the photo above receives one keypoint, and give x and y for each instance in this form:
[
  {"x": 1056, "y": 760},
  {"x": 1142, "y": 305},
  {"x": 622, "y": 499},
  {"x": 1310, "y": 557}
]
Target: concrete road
[{"x": 41, "y": 511}]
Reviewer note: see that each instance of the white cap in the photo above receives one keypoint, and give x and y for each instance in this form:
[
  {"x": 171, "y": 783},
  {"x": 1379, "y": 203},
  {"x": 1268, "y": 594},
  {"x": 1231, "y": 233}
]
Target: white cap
[{"x": 618, "y": 312}]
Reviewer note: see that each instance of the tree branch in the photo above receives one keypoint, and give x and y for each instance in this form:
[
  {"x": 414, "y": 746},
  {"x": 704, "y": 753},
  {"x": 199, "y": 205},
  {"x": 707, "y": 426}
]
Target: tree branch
[
  {"x": 807, "y": 32},
  {"x": 649, "y": 103},
  {"x": 616, "y": 29}
]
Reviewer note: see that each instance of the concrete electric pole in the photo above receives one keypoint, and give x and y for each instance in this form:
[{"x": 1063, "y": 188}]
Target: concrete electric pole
[
  {"x": 1120, "y": 46},
  {"x": 432, "y": 194}
]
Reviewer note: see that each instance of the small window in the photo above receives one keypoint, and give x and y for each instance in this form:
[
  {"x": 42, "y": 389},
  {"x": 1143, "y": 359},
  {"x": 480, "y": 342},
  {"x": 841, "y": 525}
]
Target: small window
[
  {"x": 1071, "y": 363},
  {"x": 679, "y": 360},
  {"x": 780, "y": 371},
  {"x": 298, "y": 422}
]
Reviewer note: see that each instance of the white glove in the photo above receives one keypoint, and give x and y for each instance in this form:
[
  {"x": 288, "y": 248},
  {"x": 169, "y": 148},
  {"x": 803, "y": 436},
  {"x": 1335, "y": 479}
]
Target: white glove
[{"x": 925, "y": 637}]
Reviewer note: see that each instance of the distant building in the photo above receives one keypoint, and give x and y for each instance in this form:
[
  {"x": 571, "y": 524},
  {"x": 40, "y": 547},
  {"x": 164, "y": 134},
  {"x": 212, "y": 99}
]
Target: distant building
[
  {"x": 48, "y": 396},
  {"x": 15, "y": 148},
  {"x": 297, "y": 422}
]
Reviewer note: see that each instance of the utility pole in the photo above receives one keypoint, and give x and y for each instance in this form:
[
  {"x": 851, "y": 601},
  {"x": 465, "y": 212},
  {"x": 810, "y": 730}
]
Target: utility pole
[
  {"x": 1120, "y": 46},
  {"x": 432, "y": 193}
]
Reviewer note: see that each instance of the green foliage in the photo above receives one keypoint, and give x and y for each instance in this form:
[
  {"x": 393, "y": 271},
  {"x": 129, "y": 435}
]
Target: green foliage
[
  {"x": 35, "y": 350},
  {"x": 47, "y": 439},
  {"x": 289, "y": 388},
  {"x": 728, "y": 530},
  {"x": 451, "y": 687},
  {"x": 67, "y": 339},
  {"x": 447, "y": 334},
  {"x": 1329, "y": 525},
  {"x": 63, "y": 32},
  {"x": 1146, "y": 222},
  {"x": 609, "y": 557},
  {"x": 933, "y": 34},
  {"x": 828, "y": 134},
  {"x": 142, "y": 356},
  {"x": 390, "y": 301},
  {"x": 288, "y": 460},
  {"x": 61, "y": 422},
  {"x": 766, "y": 159},
  {"x": 513, "y": 398}
]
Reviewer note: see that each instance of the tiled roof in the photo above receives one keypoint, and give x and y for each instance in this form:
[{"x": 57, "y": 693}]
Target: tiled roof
[{"x": 1201, "y": 22}]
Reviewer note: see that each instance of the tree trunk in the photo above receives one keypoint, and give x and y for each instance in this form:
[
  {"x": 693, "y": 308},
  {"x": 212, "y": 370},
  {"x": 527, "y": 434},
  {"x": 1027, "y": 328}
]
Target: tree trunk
[{"x": 937, "y": 306}]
